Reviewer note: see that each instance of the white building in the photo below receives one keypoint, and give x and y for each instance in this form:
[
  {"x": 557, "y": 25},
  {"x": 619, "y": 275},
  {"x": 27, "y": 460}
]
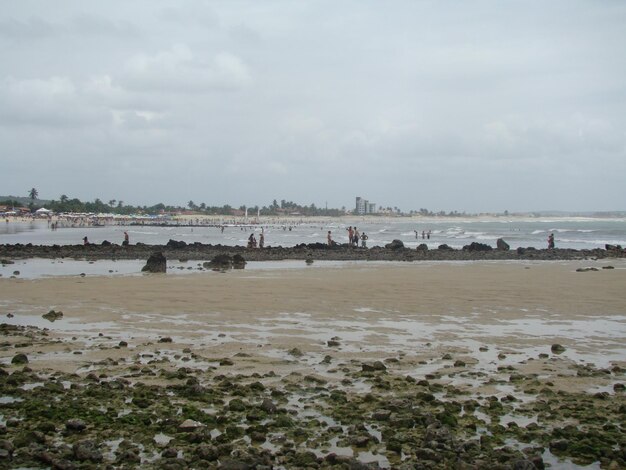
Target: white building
[{"x": 363, "y": 206}]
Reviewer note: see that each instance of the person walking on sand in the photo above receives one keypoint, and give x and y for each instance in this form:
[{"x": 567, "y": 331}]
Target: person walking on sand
[{"x": 551, "y": 241}]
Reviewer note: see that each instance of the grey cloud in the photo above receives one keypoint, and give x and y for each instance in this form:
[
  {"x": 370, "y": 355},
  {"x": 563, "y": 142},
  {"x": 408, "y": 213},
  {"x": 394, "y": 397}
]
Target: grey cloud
[
  {"x": 33, "y": 28},
  {"x": 179, "y": 70},
  {"x": 53, "y": 102}
]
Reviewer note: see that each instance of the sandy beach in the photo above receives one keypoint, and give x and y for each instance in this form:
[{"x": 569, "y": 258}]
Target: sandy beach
[{"x": 456, "y": 337}]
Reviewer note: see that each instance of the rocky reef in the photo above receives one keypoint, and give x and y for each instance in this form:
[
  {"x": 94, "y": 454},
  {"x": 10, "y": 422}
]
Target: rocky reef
[{"x": 315, "y": 251}]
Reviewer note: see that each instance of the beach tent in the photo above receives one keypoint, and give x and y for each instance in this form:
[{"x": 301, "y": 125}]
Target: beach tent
[{"x": 43, "y": 210}]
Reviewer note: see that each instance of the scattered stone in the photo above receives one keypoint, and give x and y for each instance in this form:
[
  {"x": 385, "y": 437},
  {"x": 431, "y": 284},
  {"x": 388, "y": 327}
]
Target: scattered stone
[
  {"x": 75, "y": 425},
  {"x": 87, "y": 450},
  {"x": 373, "y": 366},
  {"x": 52, "y": 315},
  {"x": 608, "y": 267},
  {"x": 296, "y": 352},
  {"x": 557, "y": 348},
  {"x": 586, "y": 270},
  {"x": 165, "y": 339},
  {"x": 189, "y": 425}
]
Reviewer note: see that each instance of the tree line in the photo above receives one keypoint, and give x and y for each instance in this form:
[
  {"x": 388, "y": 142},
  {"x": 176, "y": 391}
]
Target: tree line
[{"x": 114, "y": 206}]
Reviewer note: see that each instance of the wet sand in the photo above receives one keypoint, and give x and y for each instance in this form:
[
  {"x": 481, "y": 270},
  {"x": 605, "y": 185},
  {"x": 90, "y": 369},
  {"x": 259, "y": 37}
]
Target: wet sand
[
  {"x": 467, "y": 332},
  {"x": 374, "y": 310}
]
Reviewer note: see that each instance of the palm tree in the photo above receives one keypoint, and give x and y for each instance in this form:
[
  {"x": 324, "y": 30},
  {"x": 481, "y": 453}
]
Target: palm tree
[
  {"x": 33, "y": 193},
  {"x": 112, "y": 202},
  {"x": 63, "y": 198}
]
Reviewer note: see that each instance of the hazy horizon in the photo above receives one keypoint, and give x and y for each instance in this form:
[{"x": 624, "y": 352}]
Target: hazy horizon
[{"x": 478, "y": 107}]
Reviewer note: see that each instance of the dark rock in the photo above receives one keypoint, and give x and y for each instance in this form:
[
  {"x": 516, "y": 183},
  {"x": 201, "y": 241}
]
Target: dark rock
[
  {"x": 395, "y": 245},
  {"x": 52, "y": 315},
  {"x": 221, "y": 261},
  {"x": 176, "y": 244},
  {"x": 422, "y": 247},
  {"x": 170, "y": 453},
  {"x": 373, "y": 366},
  {"x": 502, "y": 245},
  {"x": 165, "y": 339},
  {"x": 475, "y": 246},
  {"x": 75, "y": 425},
  {"x": 381, "y": 415},
  {"x": 524, "y": 465},
  {"x": 559, "y": 444},
  {"x": 156, "y": 263},
  {"x": 585, "y": 270},
  {"x": 268, "y": 406},
  {"x": 445, "y": 247},
  {"x": 106, "y": 243},
  {"x": 87, "y": 450},
  {"x": 20, "y": 358},
  {"x": 206, "y": 452},
  {"x": 239, "y": 262},
  {"x": 557, "y": 348}
]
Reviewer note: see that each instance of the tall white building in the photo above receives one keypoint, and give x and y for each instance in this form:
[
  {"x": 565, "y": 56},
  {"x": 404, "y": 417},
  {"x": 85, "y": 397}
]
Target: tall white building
[{"x": 363, "y": 206}]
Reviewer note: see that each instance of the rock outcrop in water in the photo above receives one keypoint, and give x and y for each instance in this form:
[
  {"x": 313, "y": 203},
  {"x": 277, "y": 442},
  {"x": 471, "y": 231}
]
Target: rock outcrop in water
[{"x": 157, "y": 263}]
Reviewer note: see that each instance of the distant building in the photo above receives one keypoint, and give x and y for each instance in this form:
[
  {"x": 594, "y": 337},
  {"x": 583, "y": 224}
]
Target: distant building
[{"x": 363, "y": 206}]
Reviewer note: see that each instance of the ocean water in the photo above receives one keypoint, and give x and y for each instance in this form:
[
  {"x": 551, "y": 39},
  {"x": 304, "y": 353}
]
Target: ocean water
[{"x": 577, "y": 233}]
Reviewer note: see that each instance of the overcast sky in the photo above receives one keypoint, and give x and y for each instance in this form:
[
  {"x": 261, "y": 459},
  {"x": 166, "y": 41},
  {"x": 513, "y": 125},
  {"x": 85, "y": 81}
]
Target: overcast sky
[{"x": 447, "y": 105}]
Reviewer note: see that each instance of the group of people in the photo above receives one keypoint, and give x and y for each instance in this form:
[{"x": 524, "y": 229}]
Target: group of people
[
  {"x": 354, "y": 237},
  {"x": 252, "y": 243},
  {"x": 425, "y": 234},
  {"x": 126, "y": 241}
]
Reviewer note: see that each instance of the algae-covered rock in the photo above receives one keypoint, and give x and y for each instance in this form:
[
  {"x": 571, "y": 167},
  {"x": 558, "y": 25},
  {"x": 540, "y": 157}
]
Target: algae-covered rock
[
  {"x": 52, "y": 315},
  {"x": 20, "y": 358}
]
